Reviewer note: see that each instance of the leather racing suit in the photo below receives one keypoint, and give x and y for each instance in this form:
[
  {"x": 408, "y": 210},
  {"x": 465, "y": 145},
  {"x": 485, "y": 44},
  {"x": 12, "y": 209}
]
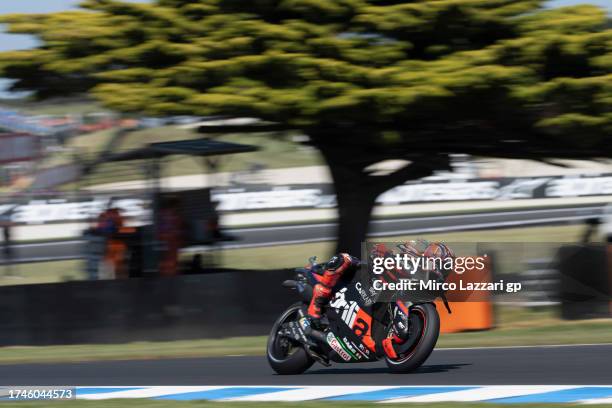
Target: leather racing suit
[
  {"x": 342, "y": 262},
  {"x": 322, "y": 291}
]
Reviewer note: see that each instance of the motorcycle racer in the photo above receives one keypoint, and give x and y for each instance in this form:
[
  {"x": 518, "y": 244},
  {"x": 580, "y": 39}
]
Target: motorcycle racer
[
  {"x": 322, "y": 291},
  {"x": 339, "y": 264}
]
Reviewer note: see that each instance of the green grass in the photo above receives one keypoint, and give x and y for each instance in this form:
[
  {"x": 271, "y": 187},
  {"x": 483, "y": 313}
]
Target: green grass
[
  {"x": 521, "y": 326},
  {"x": 84, "y": 146},
  {"x": 526, "y": 243},
  {"x": 41, "y": 272},
  {"x": 142, "y": 403},
  {"x": 274, "y": 152},
  {"x": 515, "y": 327},
  {"x": 254, "y": 345},
  {"x": 291, "y": 256}
]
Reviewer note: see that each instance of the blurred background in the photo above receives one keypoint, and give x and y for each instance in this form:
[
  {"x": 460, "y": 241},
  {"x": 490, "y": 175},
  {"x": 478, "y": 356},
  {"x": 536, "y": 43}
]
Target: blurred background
[{"x": 159, "y": 160}]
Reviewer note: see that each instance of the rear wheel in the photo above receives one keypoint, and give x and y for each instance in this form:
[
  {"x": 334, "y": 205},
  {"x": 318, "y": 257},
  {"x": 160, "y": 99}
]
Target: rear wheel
[
  {"x": 286, "y": 356},
  {"x": 422, "y": 338}
]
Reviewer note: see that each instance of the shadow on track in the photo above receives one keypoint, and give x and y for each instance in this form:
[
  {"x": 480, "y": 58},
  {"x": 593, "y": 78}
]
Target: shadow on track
[{"x": 426, "y": 369}]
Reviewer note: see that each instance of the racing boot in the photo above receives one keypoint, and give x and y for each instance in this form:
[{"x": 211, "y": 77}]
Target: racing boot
[
  {"x": 322, "y": 291},
  {"x": 313, "y": 324},
  {"x": 314, "y": 328}
]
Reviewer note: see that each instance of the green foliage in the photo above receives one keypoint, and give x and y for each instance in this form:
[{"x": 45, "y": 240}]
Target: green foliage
[{"x": 475, "y": 69}]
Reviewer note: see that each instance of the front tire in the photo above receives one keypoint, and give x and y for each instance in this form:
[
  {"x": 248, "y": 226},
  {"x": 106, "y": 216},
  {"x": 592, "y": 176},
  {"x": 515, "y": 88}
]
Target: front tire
[
  {"x": 284, "y": 356},
  {"x": 423, "y": 335}
]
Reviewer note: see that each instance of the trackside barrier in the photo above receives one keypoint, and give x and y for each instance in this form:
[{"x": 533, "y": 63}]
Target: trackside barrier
[
  {"x": 540, "y": 282},
  {"x": 470, "y": 311},
  {"x": 223, "y": 304},
  {"x": 216, "y": 305},
  {"x": 585, "y": 289}
]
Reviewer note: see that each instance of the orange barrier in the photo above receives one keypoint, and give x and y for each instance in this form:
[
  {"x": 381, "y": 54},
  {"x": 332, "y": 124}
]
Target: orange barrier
[
  {"x": 466, "y": 316},
  {"x": 470, "y": 310}
]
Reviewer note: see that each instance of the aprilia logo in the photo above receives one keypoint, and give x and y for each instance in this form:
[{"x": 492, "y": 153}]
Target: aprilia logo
[{"x": 349, "y": 309}]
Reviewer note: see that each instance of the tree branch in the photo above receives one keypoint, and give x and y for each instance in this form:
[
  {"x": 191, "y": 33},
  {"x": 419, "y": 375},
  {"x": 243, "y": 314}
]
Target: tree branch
[{"x": 416, "y": 170}]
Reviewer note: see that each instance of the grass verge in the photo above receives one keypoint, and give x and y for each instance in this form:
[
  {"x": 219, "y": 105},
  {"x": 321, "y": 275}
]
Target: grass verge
[
  {"x": 516, "y": 326},
  {"x": 273, "y": 152},
  {"x": 41, "y": 272},
  {"x": 529, "y": 242},
  {"x": 290, "y": 256}
]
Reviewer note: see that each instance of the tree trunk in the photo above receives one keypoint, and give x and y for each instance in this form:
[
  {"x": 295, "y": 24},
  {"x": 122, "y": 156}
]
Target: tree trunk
[
  {"x": 355, "y": 198},
  {"x": 355, "y": 204},
  {"x": 357, "y": 190}
]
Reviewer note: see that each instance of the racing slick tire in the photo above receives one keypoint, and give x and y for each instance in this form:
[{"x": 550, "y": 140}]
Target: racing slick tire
[
  {"x": 423, "y": 335},
  {"x": 284, "y": 356}
]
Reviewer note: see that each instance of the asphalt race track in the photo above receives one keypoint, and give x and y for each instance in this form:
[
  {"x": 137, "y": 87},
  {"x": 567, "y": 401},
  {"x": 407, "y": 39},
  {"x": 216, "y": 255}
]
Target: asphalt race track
[
  {"x": 294, "y": 234},
  {"x": 558, "y": 365}
]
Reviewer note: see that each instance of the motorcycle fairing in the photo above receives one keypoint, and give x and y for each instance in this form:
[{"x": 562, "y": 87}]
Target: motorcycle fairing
[
  {"x": 350, "y": 320},
  {"x": 357, "y": 345}
]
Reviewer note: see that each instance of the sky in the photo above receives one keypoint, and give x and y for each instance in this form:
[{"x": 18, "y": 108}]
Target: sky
[
  {"x": 18, "y": 42},
  {"x": 12, "y": 42},
  {"x": 15, "y": 42}
]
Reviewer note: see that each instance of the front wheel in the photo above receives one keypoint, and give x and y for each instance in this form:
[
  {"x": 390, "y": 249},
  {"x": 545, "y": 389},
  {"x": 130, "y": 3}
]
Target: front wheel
[
  {"x": 422, "y": 338},
  {"x": 286, "y": 356}
]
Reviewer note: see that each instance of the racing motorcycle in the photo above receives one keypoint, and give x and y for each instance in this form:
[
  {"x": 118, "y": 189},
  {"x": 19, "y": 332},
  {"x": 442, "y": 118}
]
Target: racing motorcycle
[{"x": 353, "y": 327}]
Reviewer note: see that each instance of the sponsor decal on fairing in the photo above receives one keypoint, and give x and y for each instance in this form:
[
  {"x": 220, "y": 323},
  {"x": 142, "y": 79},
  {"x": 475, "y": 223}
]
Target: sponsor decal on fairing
[{"x": 335, "y": 344}]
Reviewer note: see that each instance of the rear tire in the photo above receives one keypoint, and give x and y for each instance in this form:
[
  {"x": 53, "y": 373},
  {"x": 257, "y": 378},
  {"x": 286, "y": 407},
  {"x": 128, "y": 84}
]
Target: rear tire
[
  {"x": 294, "y": 360},
  {"x": 425, "y": 322}
]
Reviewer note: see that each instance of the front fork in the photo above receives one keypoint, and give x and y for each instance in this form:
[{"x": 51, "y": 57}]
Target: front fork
[
  {"x": 400, "y": 322},
  {"x": 400, "y": 328}
]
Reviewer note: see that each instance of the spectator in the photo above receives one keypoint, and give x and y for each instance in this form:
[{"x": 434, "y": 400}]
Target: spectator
[
  {"x": 196, "y": 264},
  {"x": 7, "y": 243},
  {"x": 170, "y": 234},
  {"x": 110, "y": 223},
  {"x": 591, "y": 227}
]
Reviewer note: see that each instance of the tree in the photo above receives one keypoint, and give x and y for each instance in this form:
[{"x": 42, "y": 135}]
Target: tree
[{"x": 367, "y": 80}]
